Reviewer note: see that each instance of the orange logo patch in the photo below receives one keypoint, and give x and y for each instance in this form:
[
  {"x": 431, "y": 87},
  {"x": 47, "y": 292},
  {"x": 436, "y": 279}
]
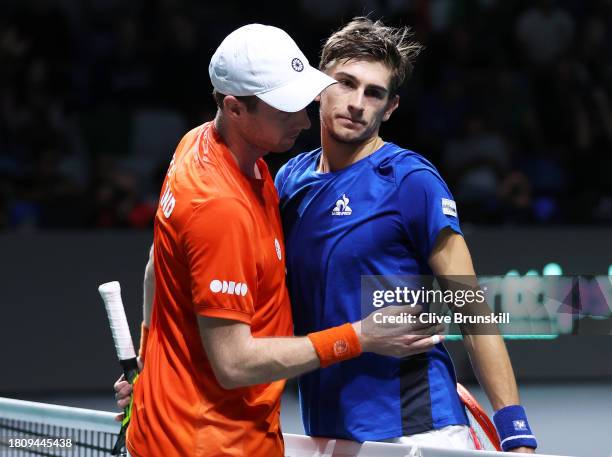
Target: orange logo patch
[{"x": 340, "y": 347}]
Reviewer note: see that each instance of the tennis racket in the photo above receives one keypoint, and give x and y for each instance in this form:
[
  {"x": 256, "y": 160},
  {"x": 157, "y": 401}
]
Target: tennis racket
[
  {"x": 111, "y": 295},
  {"x": 482, "y": 429}
]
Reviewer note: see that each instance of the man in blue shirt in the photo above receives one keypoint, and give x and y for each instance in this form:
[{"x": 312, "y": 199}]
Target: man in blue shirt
[{"x": 362, "y": 206}]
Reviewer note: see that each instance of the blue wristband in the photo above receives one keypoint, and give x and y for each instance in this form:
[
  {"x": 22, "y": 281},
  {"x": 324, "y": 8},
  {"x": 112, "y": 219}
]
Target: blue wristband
[{"x": 513, "y": 428}]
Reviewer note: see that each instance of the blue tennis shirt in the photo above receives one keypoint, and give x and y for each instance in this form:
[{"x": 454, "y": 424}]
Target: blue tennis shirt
[{"x": 379, "y": 216}]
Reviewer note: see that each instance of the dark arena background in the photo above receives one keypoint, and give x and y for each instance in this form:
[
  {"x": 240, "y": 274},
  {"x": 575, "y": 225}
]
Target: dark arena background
[{"x": 511, "y": 100}]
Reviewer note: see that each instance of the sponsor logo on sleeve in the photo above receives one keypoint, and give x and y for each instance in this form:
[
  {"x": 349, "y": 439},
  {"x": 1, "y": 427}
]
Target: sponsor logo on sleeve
[
  {"x": 228, "y": 287},
  {"x": 449, "y": 207}
]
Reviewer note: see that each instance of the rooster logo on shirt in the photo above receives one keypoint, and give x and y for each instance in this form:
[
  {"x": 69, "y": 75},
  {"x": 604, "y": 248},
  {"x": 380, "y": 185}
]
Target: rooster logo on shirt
[{"x": 342, "y": 208}]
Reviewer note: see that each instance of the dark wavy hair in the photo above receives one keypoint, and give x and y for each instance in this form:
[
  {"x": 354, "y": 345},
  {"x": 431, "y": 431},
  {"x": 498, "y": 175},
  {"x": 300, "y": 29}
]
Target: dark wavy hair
[{"x": 363, "y": 38}]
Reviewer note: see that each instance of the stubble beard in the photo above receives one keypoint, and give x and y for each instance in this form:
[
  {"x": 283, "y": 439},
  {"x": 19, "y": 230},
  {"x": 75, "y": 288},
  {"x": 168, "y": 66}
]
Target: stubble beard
[{"x": 348, "y": 138}]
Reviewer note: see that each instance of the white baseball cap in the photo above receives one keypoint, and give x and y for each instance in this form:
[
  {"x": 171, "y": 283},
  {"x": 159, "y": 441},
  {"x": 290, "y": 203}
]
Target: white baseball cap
[{"x": 264, "y": 61}]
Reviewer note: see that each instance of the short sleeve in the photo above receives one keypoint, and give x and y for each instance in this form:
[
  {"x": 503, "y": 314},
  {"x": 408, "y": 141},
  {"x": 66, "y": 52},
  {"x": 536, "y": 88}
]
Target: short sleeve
[
  {"x": 280, "y": 178},
  {"x": 220, "y": 253},
  {"x": 427, "y": 207}
]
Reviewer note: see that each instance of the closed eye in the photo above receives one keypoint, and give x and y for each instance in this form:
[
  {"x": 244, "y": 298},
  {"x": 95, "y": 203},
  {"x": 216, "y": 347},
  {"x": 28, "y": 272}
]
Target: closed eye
[{"x": 375, "y": 93}]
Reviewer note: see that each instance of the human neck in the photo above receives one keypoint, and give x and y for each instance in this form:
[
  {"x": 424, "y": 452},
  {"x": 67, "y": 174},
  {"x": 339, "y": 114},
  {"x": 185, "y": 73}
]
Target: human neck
[
  {"x": 337, "y": 155},
  {"x": 244, "y": 153}
]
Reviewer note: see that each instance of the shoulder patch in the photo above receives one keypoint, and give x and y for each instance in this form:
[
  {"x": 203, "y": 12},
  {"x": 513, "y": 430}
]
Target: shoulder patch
[{"x": 449, "y": 207}]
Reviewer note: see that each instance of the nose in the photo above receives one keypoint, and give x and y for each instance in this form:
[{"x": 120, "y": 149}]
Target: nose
[{"x": 356, "y": 100}]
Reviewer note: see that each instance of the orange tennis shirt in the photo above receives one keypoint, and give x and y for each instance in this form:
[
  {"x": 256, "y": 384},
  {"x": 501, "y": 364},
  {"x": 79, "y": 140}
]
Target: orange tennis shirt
[{"x": 219, "y": 252}]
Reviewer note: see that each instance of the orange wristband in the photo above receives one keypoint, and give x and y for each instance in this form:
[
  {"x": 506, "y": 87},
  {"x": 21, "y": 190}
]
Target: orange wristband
[
  {"x": 144, "y": 336},
  {"x": 336, "y": 344}
]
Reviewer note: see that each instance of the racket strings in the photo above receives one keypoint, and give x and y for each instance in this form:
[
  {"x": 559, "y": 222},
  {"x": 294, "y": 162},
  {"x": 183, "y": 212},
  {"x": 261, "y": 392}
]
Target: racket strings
[
  {"x": 482, "y": 429},
  {"x": 479, "y": 436}
]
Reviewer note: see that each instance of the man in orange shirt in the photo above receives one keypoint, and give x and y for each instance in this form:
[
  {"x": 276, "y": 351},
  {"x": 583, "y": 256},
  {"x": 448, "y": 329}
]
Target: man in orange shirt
[{"x": 220, "y": 343}]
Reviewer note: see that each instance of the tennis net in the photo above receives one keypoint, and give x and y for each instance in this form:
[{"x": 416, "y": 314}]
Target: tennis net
[{"x": 38, "y": 429}]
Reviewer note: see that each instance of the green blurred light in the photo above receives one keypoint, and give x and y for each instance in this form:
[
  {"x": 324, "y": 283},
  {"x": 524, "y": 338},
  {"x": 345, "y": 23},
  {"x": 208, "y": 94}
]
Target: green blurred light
[
  {"x": 553, "y": 269},
  {"x": 508, "y": 337},
  {"x": 530, "y": 337},
  {"x": 516, "y": 273},
  {"x": 532, "y": 273}
]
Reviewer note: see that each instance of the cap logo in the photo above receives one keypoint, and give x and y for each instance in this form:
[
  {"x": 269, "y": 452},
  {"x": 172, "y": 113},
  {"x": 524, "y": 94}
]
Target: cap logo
[{"x": 297, "y": 64}]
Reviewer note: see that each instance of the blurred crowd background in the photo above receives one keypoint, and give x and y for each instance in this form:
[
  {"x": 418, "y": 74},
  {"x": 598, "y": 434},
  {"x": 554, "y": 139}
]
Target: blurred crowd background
[{"x": 511, "y": 100}]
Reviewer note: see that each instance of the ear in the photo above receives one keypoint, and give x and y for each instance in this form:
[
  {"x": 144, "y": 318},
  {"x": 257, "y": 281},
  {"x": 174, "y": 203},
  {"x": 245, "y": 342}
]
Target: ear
[
  {"x": 392, "y": 105},
  {"x": 232, "y": 107}
]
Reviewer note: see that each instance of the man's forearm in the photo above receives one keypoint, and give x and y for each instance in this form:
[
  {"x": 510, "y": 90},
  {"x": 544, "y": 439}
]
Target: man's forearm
[
  {"x": 493, "y": 369},
  {"x": 239, "y": 359},
  {"x": 270, "y": 359}
]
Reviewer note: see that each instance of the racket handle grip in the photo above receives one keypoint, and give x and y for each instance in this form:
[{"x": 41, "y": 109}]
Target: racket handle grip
[{"x": 130, "y": 369}]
